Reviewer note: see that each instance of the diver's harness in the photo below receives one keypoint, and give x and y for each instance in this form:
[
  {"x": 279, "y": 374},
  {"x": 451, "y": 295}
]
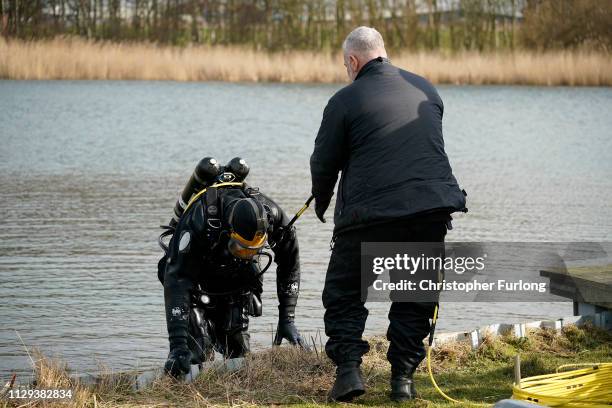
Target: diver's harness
[{"x": 214, "y": 224}]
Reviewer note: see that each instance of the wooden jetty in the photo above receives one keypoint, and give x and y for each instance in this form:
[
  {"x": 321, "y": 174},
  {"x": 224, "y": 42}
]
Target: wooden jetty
[{"x": 587, "y": 284}]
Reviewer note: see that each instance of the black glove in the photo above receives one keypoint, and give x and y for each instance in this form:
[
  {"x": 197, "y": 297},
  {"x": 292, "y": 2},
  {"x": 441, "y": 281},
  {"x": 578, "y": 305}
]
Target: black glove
[
  {"x": 321, "y": 204},
  {"x": 179, "y": 362},
  {"x": 287, "y": 330},
  {"x": 286, "y": 327}
]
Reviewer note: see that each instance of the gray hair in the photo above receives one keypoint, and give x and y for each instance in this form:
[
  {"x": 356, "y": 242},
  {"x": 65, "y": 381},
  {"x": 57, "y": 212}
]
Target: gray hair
[{"x": 363, "y": 40}]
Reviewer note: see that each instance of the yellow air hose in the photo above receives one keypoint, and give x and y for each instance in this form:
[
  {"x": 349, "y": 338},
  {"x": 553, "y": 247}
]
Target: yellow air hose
[
  {"x": 431, "y": 377},
  {"x": 195, "y": 197},
  {"x": 433, "y": 381},
  {"x": 589, "y": 387}
]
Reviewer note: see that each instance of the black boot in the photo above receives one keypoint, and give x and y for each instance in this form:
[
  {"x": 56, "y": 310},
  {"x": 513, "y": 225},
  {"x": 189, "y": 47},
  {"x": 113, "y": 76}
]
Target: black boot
[
  {"x": 402, "y": 388},
  {"x": 348, "y": 384}
]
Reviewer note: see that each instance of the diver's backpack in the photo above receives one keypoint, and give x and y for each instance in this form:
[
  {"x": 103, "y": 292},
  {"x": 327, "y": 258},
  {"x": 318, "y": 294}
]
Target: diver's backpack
[{"x": 207, "y": 173}]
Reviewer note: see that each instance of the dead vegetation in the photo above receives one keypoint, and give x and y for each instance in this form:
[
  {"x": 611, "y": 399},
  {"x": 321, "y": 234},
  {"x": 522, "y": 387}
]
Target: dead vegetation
[
  {"x": 74, "y": 59},
  {"x": 291, "y": 376}
]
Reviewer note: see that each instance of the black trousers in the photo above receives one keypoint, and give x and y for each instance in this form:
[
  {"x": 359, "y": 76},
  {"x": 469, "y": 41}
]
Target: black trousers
[{"x": 345, "y": 313}]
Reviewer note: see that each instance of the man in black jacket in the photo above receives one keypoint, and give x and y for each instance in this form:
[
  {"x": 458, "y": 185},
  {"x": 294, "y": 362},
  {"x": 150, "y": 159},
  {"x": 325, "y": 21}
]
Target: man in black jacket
[
  {"x": 210, "y": 265},
  {"x": 384, "y": 133}
]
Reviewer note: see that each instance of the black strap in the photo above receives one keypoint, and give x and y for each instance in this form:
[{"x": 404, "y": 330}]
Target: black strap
[
  {"x": 168, "y": 231},
  {"x": 213, "y": 212},
  {"x": 212, "y": 206}
]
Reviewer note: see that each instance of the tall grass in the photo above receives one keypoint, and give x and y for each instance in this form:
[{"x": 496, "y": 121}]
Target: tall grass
[
  {"x": 284, "y": 375},
  {"x": 72, "y": 58}
]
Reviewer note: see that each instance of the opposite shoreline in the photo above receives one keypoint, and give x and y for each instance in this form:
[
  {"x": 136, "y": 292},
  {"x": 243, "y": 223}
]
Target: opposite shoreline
[{"x": 77, "y": 59}]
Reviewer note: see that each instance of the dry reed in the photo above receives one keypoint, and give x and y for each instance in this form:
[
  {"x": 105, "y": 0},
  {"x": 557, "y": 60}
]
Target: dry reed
[
  {"x": 286, "y": 375},
  {"x": 73, "y": 58}
]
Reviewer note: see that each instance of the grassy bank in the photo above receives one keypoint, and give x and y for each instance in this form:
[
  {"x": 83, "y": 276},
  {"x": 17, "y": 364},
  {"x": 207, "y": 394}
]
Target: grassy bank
[
  {"x": 283, "y": 376},
  {"x": 79, "y": 59}
]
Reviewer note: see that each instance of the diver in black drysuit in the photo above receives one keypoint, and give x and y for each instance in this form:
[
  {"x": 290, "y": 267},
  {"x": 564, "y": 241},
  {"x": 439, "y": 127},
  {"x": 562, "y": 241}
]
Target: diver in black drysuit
[{"x": 202, "y": 256}]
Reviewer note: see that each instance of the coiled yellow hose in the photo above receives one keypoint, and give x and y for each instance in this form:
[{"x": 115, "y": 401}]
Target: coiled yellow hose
[{"x": 589, "y": 387}]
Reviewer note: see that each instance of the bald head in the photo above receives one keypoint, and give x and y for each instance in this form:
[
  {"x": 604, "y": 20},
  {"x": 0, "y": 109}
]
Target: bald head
[{"x": 360, "y": 46}]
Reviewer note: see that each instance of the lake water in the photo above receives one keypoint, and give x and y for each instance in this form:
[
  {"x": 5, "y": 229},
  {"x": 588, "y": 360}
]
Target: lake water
[{"x": 89, "y": 170}]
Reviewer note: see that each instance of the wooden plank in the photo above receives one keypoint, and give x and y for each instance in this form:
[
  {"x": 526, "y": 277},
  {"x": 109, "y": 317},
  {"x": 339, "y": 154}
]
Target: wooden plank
[{"x": 585, "y": 283}]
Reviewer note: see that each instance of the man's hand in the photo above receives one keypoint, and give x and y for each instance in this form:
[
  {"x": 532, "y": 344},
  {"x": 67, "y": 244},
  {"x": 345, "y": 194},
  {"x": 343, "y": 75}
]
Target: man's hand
[
  {"x": 179, "y": 362},
  {"x": 286, "y": 330},
  {"x": 321, "y": 204}
]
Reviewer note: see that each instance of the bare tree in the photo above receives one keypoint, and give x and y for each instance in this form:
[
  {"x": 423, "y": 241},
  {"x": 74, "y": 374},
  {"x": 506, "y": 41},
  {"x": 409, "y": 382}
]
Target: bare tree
[{"x": 483, "y": 25}]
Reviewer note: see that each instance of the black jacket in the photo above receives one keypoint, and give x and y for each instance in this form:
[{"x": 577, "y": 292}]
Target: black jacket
[
  {"x": 203, "y": 259},
  {"x": 384, "y": 133}
]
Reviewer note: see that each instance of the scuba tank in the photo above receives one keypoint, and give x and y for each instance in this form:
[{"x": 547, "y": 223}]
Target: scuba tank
[
  {"x": 235, "y": 171},
  {"x": 204, "y": 174},
  {"x": 207, "y": 172}
]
